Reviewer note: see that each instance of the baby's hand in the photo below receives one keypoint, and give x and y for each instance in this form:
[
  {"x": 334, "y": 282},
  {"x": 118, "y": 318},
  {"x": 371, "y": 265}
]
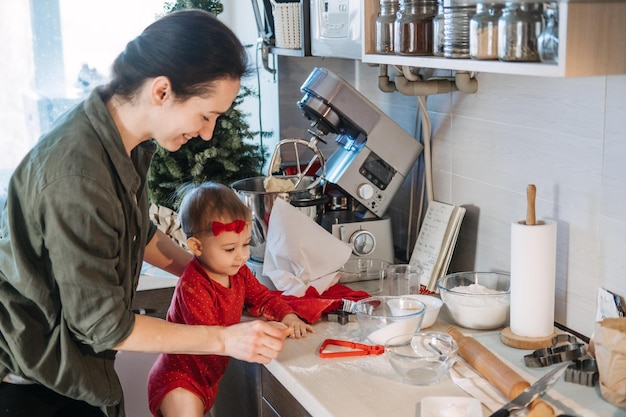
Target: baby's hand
[
  {"x": 298, "y": 327},
  {"x": 287, "y": 331}
]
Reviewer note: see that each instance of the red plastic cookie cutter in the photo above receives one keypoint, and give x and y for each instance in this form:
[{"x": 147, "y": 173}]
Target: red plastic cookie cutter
[{"x": 358, "y": 349}]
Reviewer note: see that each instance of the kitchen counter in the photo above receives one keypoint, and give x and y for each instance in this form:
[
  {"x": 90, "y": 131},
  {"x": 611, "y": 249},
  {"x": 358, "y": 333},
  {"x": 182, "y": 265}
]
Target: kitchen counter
[
  {"x": 368, "y": 387},
  {"x": 363, "y": 386}
]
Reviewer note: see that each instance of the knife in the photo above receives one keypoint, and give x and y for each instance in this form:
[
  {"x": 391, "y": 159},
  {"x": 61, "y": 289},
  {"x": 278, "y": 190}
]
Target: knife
[{"x": 529, "y": 394}]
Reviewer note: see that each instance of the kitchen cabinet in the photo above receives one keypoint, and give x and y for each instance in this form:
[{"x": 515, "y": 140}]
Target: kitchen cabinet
[
  {"x": 240, "y": 392},
  {"x": 153, "y": 302},
  {"x": 133, "y": 367},
  {"x": 591, "y": 42},
  {"x": 249, "y": 389},
  {"x": 277, "y": 401}
]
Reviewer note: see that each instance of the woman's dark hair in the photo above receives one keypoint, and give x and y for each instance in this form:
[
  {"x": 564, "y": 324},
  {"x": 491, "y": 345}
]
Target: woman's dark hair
[
  {"x": 190, "y": 47},
  {"x": 207, "y": 202}
]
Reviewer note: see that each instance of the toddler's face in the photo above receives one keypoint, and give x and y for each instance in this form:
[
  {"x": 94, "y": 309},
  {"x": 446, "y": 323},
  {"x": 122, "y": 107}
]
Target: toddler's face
[{"x": 224, "y": 254}]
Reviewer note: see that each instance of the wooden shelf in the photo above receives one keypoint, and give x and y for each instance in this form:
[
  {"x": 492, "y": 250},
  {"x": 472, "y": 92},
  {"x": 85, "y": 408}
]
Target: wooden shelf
[
  {"x": 591, "y": 42},
  {"x": 472, "y": 65}
]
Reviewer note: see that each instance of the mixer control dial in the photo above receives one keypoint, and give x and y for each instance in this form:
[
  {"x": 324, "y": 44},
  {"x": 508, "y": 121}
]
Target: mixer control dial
[
  {"x": 363, "y": 243},
  {"x": 365, "y": 191}
]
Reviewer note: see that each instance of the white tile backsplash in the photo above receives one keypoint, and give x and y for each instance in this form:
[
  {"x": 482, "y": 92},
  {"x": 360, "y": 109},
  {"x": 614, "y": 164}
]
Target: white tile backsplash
[
  {"x": 567, "y": 136},
  {"x": 615, "y": 117},
  {"x": 510, "y": 158},
  {"x": 567, "y": 106}
]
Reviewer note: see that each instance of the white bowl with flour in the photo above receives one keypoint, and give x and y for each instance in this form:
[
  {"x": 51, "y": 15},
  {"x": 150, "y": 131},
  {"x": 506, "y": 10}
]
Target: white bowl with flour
[{"x": 477, "y": 300}]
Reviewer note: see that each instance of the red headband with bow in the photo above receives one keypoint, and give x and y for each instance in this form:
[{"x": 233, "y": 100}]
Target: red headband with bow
[{"x": 237, "y": 226}]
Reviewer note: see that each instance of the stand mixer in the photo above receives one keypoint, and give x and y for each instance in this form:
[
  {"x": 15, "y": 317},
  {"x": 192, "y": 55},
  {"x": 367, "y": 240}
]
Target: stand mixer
[{"x": 372, "y": 161}]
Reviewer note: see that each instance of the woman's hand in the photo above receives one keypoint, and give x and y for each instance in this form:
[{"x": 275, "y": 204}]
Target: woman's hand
[
  {"x": 255, "y": 341},
  {"x": 297, "y": 327}
]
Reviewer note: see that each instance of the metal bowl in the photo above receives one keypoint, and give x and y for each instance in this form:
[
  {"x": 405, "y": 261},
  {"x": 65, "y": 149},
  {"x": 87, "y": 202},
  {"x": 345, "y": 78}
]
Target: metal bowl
[{"x": 308, "y": 197}]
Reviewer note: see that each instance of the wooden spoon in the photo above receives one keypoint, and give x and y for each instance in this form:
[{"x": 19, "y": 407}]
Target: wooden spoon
[{"x": 531, "y": 193}]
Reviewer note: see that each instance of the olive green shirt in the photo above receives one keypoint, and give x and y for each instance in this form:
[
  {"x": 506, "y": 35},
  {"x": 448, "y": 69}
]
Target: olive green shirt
[{"x": 72, "y": 240}]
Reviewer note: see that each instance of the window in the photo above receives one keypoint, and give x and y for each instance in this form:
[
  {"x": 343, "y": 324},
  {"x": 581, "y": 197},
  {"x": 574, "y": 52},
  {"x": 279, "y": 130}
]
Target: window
[{"x": 52, "y": 53}]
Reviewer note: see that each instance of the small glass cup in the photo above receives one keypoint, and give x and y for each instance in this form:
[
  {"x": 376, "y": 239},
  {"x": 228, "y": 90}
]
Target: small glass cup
[{"x": 403, "y": 279}]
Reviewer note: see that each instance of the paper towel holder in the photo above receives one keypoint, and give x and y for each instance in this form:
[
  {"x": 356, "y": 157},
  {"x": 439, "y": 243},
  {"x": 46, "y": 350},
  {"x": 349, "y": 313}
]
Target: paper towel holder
[
  {"x": 523, "y": 342},
  {"x": 531, "y": 217},
  {"x": 531, "y": 194},
  {"x": 507, "y": 336}
]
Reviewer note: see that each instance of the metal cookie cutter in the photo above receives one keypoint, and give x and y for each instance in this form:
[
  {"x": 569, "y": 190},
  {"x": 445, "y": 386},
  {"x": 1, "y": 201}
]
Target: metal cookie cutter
[
  {"x": 564, "y": 348},
  {"x": 341, "y": 317},
  {"x": 583, "y": 371},
  {"x": 346, "y": 313}
]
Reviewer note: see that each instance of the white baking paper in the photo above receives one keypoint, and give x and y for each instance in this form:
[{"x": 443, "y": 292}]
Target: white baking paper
[{"x": 300, "y": 253}]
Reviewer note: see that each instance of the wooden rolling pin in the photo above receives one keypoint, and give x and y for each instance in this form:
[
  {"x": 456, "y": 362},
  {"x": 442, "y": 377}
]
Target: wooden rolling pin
[{"x": 497, "y": 372}]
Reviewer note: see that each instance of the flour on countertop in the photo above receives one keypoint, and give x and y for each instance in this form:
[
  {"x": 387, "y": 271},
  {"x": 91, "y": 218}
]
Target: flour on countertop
[{"x": 373, "y": 365}]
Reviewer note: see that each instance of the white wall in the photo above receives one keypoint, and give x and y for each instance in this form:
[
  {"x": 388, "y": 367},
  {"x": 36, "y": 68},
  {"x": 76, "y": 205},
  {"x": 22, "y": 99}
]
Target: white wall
[
  {"x": 567, "y": 136},
  {"x": 262, "y": 114},
  {"x": 564, "y": 135}
]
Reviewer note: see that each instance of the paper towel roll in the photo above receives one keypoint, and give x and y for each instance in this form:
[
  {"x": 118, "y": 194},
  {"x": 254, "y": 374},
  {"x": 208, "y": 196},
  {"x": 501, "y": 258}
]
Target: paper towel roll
[{"x": 533, "y": 268}]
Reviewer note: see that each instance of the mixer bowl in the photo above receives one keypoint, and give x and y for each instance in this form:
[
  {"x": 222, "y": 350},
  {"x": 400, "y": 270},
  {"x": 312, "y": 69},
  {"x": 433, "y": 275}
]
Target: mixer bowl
[{"x": 309, "y": 198}]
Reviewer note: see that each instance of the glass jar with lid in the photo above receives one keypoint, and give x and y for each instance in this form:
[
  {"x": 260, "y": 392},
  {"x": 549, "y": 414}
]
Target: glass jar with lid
[
  {"x": 484, "y": 31},
  {"x": 385, "y": 26},
  {"x": 414, "y": 27},
  {"x": 518, "y": 29},
  {"x": 456, "y": 21},
  {"x": 438, "y": 31},
  {"x": 548, "y": 41}
]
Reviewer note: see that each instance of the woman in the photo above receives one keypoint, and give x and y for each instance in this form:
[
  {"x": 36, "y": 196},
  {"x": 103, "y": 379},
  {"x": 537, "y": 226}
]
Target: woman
[{"x": 76, "y": 227}]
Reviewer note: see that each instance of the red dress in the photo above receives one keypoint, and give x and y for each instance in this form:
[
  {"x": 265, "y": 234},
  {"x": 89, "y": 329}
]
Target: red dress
[{"x": 198, "y": 299}]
